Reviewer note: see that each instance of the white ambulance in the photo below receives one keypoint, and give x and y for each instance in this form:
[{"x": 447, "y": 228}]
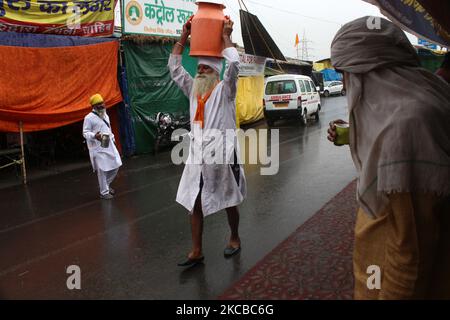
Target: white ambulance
[{"x": 290, "y": 96}]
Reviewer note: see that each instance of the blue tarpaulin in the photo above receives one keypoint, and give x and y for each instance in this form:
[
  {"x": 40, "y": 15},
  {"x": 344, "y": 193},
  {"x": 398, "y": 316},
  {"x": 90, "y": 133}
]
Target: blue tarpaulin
[
  {"x": 33, "y": 40},
  {"x": 126, "y": 128},
  {"x": 331, "y": 75}
]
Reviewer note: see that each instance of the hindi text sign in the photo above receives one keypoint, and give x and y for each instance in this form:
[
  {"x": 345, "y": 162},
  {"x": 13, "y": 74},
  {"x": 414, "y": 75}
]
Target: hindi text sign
[
  {"x": 92, "y": 17},
  {"x": 156, "y": 17}
]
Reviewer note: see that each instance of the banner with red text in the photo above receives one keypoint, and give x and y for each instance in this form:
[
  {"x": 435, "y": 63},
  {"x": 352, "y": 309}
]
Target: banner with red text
[{"x": 88, "y": 18}]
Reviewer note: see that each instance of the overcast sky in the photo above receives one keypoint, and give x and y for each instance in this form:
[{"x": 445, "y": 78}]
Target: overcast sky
[{"x": 319, "y": 20}]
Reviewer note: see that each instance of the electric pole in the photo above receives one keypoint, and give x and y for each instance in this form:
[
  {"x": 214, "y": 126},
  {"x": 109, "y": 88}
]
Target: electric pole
[{"x": 305, "y": 48}]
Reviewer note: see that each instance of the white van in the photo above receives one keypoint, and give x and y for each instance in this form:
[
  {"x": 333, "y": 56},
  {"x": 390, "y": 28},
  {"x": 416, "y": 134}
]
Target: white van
[{"x": 290, "y": 96}]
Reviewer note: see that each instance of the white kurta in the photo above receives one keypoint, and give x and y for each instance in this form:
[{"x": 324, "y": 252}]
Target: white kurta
[
  {"x": 105, "y": 159},
  {"x": 220, "y": 189}
]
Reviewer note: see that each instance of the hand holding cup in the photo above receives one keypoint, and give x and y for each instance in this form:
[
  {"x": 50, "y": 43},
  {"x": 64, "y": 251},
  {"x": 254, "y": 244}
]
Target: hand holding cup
[{"x": 338, "y": 132}]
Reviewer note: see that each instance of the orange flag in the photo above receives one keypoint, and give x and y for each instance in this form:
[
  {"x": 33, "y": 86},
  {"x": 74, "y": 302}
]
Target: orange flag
[{"x": 297, "y": 41}]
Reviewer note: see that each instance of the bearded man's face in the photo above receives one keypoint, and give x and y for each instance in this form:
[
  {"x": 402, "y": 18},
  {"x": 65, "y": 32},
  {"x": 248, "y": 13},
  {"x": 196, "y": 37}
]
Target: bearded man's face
[{"x": 205, "y": 80}]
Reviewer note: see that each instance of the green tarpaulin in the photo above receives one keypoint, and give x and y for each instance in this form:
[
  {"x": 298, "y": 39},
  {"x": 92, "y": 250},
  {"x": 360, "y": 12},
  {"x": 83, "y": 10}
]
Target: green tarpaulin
[
  {"x": 430, "y": 60},
  {"x": 150, "y": 88}
]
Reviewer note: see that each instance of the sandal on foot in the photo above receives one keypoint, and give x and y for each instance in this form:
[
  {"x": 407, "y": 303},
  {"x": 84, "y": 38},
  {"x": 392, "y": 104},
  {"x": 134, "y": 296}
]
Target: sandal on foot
[
  {"x": 191, "y": 262},
  {"x": 231, "y": 251}
]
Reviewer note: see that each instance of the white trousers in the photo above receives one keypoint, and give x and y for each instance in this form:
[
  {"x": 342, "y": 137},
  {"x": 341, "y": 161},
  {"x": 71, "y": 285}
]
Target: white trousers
[{"x": 104, "y": 179}]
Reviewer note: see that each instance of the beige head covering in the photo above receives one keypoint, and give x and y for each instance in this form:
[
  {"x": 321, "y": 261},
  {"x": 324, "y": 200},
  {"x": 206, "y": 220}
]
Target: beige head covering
[
  {"x": 214, "y": 63},
  {"x": 399, "y": 114}
]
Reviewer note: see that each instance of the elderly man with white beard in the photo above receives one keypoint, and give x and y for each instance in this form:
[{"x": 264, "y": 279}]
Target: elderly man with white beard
[
  {"x": 206, "y": 188},
  {"x": 105, "y": 159}
]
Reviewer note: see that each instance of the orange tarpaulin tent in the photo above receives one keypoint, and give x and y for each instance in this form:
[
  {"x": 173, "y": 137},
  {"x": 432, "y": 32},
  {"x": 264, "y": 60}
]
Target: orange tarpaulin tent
[{"x": 49, "y": 87}]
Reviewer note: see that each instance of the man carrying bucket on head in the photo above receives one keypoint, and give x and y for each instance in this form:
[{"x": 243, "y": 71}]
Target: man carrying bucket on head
[{"x": 208, "y": 188}]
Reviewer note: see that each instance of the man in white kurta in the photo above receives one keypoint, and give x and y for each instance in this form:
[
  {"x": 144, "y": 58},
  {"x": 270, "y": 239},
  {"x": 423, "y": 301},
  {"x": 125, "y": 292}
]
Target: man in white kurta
[
  {"x": 206, "y": 188},
  {"x": 105, "y": 160}
]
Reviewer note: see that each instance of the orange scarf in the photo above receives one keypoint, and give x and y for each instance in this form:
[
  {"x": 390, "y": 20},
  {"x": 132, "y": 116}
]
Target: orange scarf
[{"x": 200, "y": 112}]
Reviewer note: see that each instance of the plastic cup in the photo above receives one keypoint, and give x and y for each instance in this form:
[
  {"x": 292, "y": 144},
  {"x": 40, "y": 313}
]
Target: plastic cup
[{"x": 342, "y": 137}]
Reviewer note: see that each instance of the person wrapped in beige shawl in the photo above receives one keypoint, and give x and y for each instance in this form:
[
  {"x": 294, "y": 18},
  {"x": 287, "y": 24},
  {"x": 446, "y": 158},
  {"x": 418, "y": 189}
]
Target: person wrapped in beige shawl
[{"x": 399, "y": 138}]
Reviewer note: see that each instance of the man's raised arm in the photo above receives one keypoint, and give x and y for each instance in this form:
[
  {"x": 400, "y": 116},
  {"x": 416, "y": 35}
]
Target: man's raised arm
[
  {"x": 178, "y": 74},
  {"x": 232, "y": 56}
]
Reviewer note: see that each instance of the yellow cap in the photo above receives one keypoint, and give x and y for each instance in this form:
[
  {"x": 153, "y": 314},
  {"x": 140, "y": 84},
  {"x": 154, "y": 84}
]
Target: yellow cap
[{"x": 96, "y": 99}]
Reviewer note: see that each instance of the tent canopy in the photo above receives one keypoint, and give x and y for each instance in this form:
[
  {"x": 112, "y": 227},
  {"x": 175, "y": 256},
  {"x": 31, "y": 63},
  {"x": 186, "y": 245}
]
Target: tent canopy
[{"x": 47, "y": 80}]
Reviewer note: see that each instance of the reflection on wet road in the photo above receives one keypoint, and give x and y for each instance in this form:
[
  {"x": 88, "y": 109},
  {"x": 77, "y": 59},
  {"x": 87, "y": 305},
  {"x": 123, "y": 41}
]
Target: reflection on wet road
[{"x": 128, "y": 248}]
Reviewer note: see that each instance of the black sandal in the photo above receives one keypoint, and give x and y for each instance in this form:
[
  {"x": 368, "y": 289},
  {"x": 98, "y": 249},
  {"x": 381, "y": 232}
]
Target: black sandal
[
  {"x": 191, "y": 262},
  {"x": 230, "y": 251}
]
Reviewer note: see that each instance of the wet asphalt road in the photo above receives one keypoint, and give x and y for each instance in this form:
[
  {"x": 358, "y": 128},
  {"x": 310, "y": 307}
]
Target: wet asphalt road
[{"x": 128, "y": 248}]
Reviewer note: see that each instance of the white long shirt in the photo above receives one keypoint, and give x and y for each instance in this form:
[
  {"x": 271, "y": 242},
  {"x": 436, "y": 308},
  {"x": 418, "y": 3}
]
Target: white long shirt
[
  {"x": 105, "y": 159},
  {"x": 220, "y": 188}
]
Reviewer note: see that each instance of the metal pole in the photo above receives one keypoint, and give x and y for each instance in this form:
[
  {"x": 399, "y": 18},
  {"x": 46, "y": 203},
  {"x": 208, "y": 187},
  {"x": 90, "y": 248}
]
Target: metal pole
[
  {"x": 24, "y": 170},
  {"x": 121, "y": 34},
  {"x": 122, "y": 20}
]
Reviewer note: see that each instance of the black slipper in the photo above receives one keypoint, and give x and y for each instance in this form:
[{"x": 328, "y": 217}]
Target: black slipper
[
  {"x": 191, "y": 262},
  {"x": 230, "y": 251}
]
